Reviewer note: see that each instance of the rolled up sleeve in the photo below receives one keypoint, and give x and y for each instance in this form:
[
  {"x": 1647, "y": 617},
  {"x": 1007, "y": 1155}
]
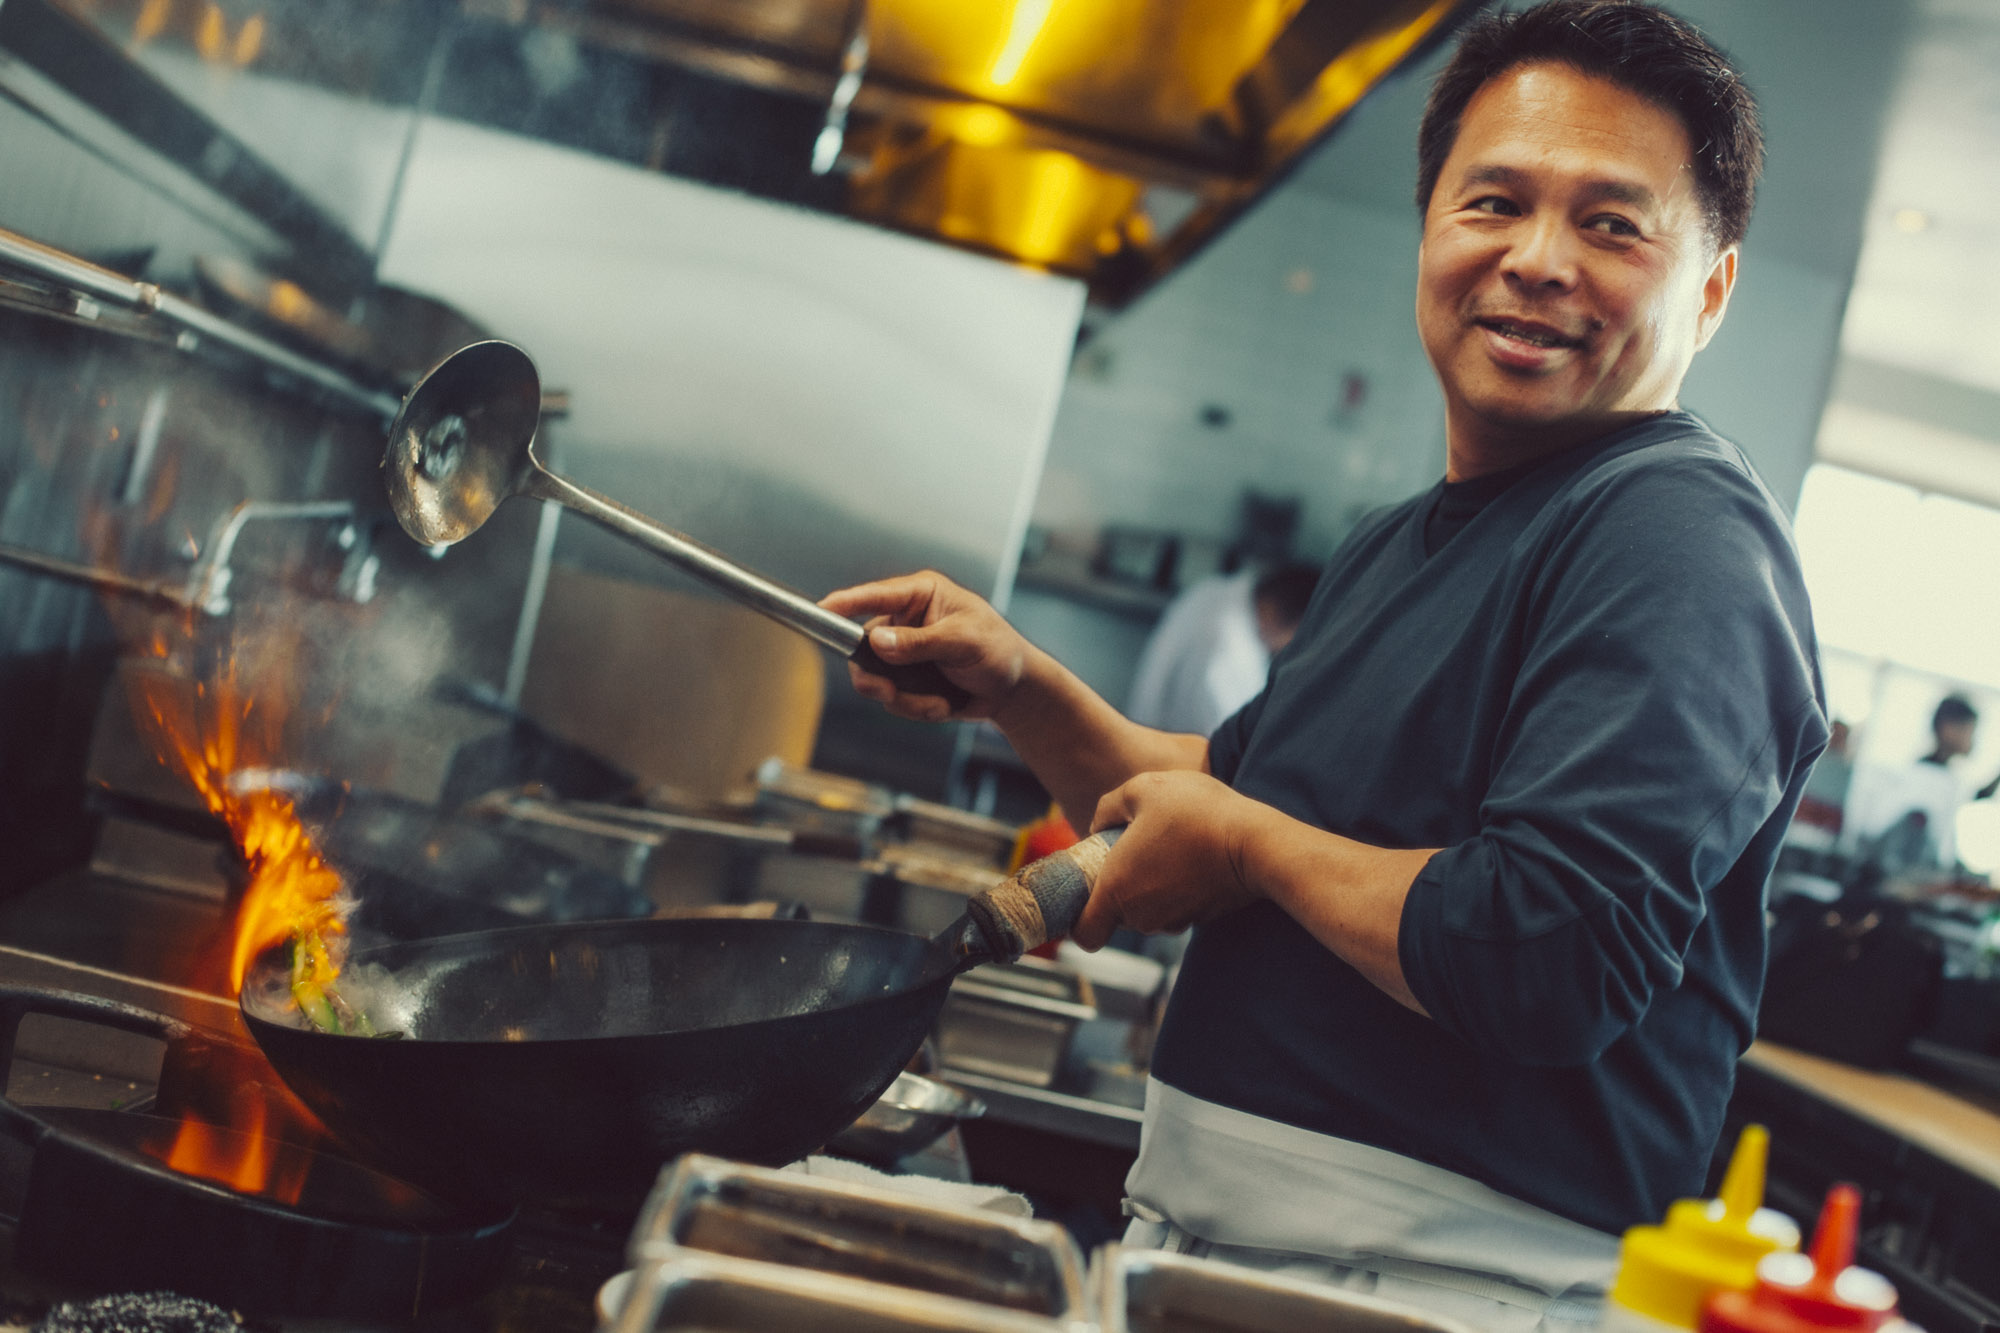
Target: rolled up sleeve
[{"x": 1666, "y": 699}]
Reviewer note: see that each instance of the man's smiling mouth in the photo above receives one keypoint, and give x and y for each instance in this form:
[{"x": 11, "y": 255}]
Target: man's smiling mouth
[{"x": 1535, "y": 335}]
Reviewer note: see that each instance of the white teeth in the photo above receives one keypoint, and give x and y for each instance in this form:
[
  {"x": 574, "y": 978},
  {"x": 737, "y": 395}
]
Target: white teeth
[{"x": 1531, "y": 337}]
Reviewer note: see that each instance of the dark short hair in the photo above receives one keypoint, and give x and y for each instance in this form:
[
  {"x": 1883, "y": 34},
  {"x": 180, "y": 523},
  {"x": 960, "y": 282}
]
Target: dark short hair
[
  {"x": 1953, "y": 710},
  {"x": 1287, "y": 590},
  {"x": 1642, "y": 49}
]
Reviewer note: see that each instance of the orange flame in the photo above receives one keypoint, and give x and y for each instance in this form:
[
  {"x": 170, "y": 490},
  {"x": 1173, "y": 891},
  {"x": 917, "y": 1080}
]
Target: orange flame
[
  {"x": 223, "y": 729},
  {"x": 293, "y": 893},
  {"x": 218, "y": 728},
  {"x": 246, "y": 1159}
]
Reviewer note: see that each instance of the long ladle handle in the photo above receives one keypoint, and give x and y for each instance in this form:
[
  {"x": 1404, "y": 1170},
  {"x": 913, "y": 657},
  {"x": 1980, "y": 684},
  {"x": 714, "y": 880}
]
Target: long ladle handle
[
  {"x": 734, "y": 581},
  {"x": 1040, "y": 902}
]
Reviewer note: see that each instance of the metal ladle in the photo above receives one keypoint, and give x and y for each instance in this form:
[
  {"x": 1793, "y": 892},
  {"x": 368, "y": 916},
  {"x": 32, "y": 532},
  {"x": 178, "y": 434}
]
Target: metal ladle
[{"x": 464, "y": 441}]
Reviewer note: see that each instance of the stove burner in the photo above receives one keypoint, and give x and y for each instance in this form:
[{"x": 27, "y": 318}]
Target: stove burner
[
  {"x": 102, "y": 1209},
  {"x": 327, "y": 1187},
  {"x": 147, "y": 1312}
]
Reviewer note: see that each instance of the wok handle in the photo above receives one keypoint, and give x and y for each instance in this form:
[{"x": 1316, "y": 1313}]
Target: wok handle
[
  {"x": 17, "y": 1002},
  {"x": 1039, "y": 903},
  {"x": 913, "y": 678}
]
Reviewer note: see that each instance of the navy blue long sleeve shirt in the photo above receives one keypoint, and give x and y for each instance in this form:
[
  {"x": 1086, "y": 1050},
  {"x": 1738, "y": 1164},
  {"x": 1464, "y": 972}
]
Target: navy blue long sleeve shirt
[{"x": 1600, "y": 697}]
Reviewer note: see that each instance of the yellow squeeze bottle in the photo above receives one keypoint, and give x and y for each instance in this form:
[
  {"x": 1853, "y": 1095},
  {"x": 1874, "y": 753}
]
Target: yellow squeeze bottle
[{"x": 1665, "y": 1272}]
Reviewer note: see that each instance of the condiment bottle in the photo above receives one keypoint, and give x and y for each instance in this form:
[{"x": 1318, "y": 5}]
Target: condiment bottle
[
  {"x": 1797, "y": 1293},
  {"x": 1666, "y": 1271}
]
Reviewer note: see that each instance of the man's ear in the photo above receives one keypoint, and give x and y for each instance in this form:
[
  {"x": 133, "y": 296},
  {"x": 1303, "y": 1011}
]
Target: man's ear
[{"x": 1715, "y": 289}]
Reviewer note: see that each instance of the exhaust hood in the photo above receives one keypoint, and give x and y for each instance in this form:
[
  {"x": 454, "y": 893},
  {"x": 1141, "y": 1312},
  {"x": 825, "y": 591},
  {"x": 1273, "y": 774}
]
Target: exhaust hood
[{"x": 1103, "y": 139}]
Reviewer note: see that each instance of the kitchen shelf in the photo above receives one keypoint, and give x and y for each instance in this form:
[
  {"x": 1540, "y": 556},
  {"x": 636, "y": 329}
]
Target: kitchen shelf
[{"x": 1070, "y": 577}]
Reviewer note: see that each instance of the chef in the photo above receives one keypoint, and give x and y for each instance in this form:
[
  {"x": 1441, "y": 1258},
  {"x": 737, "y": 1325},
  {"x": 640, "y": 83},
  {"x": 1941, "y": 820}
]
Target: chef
[{"x": 1478, "y": 879}]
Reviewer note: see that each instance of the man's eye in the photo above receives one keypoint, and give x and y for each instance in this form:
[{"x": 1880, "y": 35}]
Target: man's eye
[
  {"x": 1612, "y": 225},
  {"x": 1494, "y": 203}
]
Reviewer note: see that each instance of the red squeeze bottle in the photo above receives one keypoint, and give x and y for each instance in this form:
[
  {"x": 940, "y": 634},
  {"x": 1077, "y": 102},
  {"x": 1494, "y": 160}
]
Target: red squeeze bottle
[{"x": 1800, "y": 1293}]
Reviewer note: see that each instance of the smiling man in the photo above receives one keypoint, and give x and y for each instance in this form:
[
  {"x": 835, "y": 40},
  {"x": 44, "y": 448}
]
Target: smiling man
[{"x": 1478, "y": 879}]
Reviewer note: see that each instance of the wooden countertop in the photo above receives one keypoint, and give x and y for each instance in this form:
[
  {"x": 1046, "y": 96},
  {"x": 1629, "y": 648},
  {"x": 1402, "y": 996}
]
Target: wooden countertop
[{"x": 1948, "y": 1126}]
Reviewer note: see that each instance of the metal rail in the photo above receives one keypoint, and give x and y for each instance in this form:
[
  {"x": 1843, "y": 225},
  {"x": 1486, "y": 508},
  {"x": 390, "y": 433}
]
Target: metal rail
[
  {"x": 207, "y": 587},
  {"x": 105, "y": 580},
  {"x": 89, "y": 282}
]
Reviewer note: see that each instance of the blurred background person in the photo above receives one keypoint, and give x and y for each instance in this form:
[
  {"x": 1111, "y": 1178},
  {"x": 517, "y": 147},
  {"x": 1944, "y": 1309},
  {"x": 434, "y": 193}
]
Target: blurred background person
[
  {"x": 1212, "y": 649},
  {"x": 1903, "y": 818}
]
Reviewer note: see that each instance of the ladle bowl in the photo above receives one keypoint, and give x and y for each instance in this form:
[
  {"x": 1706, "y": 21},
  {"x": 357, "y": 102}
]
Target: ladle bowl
[{"x": 464, "y": 442}]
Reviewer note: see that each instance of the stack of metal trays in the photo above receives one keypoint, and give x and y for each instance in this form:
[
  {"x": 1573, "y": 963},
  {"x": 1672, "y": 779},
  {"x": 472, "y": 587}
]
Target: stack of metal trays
[
  {"x": 1014, "y": 1020},
  {"x": 723, "y": 1247},
  {"x": 1151, "y": 1291},
  {"x": 787, "y": 1239},
  {"x": 948, "y": 833},
  {"x": 700, "y": 1294},
  {"x": 806, "y": 800}
]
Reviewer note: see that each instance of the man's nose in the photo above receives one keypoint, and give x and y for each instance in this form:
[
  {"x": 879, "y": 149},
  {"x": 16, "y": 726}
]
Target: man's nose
[{"x": 1544, "y": 252}]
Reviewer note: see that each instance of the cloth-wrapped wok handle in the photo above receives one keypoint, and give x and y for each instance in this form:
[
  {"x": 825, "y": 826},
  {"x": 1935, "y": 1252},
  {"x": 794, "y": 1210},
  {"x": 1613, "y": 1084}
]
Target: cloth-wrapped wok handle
[
  {"x": 913, "y": 678},
  {"x": 1041, "y": 901}
]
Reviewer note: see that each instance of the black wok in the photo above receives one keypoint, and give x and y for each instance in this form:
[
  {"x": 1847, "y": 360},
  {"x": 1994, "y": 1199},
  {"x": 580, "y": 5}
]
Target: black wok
[{"x": 563, "y": 1064}]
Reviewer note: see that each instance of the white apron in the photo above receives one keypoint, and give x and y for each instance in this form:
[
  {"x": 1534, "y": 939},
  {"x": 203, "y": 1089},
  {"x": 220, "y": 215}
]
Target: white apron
[{"x": 1216, "y": 1182}]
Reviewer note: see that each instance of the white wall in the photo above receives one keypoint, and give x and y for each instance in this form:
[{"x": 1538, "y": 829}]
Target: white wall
[
  {"x": 1228, "y": 330},
  {"x": 1822, "y": 71}
]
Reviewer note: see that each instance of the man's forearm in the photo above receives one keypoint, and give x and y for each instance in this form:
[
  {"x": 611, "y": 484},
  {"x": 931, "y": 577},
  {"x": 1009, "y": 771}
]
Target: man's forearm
[
  {"x": 1078, "y": 745},
  {"x": 1348, "y": 895}
]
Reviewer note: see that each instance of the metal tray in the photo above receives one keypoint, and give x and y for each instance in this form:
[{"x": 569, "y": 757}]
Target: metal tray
[
  {"x": 908, "y": 1118},
  {"x": 1014, "y": 1021},
  {"x": 704, "y": 1294},
  {"x": 950, "y": 833},
  {"x": 863, "y": 1232},
  {"x": 828, "y": 804},
  {"x": 1152, "y": 1291}
]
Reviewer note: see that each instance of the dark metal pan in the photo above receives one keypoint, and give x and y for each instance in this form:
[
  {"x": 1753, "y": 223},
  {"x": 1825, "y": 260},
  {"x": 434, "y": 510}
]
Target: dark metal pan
[{"x": 562, "y": 1065}]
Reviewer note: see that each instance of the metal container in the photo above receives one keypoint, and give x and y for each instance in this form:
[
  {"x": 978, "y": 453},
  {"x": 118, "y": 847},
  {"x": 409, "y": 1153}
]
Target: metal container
[
  {"x": 927, "y": 891},
  {"x": 693, "y": 861},
  {"x": 1014, "y": 1021},
  {"x": 906, "y": 1119},
  {"x": 704, "y": 1294},
  {"x": 946, "y": 831},
  {"x": 1125, "y": 985},
  {"x": 863, "y": 1232},
  {"x": 832, "y": 888},
  {"x": 827, "y": 804},
  {"x": 1152, "y": 1291}
]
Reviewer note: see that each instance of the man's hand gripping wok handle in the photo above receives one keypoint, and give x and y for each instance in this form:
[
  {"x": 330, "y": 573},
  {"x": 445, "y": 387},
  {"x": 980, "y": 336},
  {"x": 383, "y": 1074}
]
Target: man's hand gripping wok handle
[{"x": 1043, "y": 899}]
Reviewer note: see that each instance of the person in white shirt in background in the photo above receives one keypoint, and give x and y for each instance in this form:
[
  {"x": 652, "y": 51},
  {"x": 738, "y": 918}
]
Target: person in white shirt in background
[
  {"x": 1883, "y": 801},
  {"x": 1212, "y": 649}
]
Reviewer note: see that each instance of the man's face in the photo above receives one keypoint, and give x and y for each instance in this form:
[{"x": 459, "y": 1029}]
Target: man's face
[
  {"x": 1955, "y": 738},
  {"x": 1565, "y": 278}
]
